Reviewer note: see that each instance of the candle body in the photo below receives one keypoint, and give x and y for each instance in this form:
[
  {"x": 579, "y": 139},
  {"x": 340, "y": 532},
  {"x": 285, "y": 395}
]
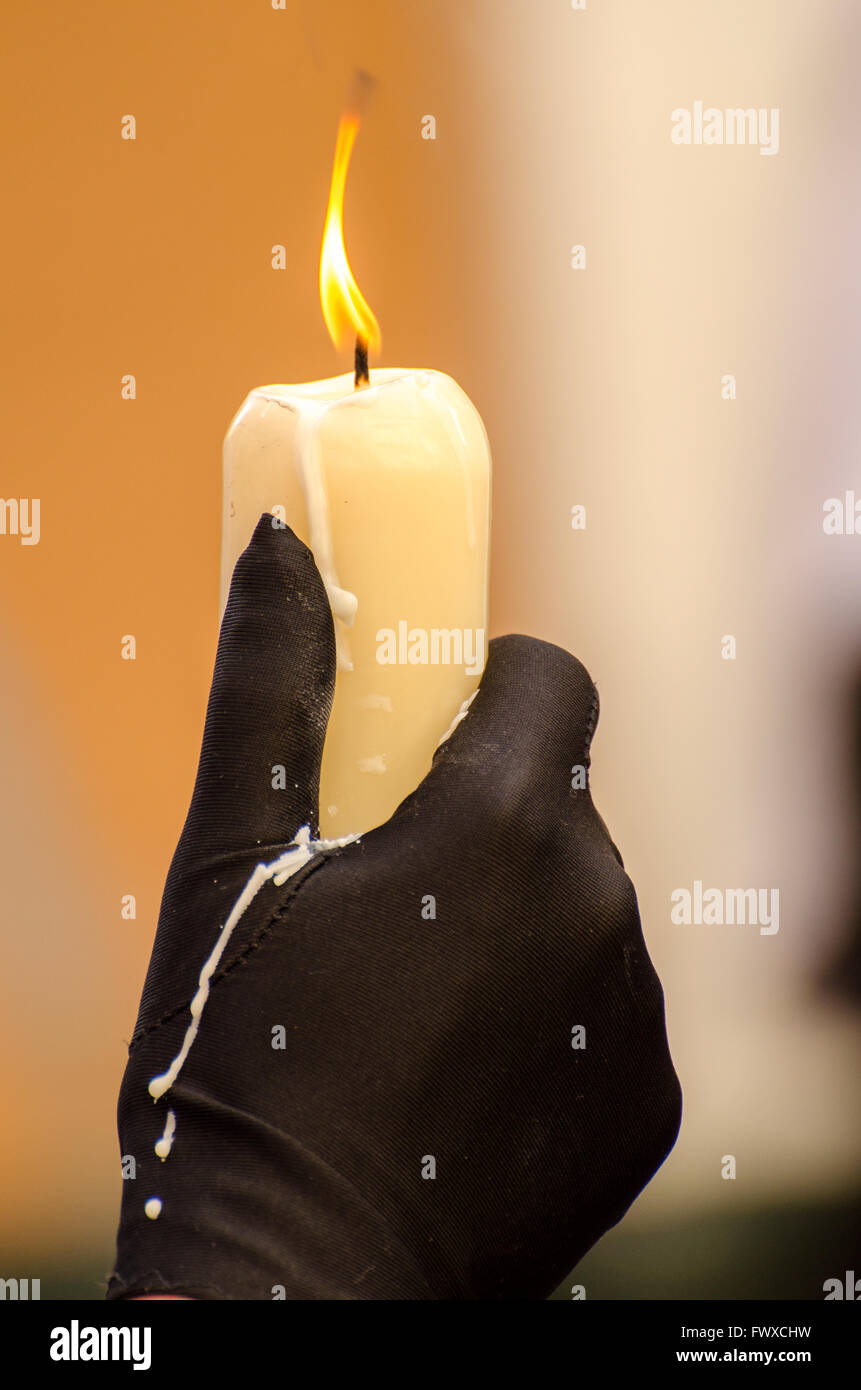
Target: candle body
[{"x": 389, "y": 485}]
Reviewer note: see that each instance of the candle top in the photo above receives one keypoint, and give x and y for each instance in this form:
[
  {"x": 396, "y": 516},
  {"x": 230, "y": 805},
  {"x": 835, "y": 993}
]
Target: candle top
[{"x": 342, "y": 388}]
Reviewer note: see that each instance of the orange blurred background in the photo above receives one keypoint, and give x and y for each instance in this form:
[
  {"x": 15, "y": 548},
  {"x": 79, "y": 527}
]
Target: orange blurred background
[{"x": 598, "y": 386}]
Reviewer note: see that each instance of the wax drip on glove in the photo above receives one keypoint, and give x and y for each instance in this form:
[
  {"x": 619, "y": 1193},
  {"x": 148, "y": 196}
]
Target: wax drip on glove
[{"x": 427, "y": 1063}]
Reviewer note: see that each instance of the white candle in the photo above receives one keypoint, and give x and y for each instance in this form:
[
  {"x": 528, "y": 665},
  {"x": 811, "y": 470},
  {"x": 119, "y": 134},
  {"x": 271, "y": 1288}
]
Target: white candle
[
  {"x": 386, "y": 476},
  {"x": 389, "y": 485}
]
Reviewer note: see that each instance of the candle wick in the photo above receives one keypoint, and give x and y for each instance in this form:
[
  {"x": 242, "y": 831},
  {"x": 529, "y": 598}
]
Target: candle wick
[{"x": 362, "y": 374}]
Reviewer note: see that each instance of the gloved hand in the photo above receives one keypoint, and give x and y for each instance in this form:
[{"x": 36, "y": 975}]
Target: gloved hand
[{"x": 428, "y": 1131}]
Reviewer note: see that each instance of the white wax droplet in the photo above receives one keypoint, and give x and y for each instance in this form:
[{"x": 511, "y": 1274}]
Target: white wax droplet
[
  {"x": 301, "y": 849},
  {"x": 163, "y": 1146},
  {"x": 306, "y": 446},
  {"x": 344, "y": 604},
  {"x": 461, "y": 714},
  {"x": 333, "y": 810},
  {"x": 376, "y": 764},
  {"x": 152, "y": 1207}
]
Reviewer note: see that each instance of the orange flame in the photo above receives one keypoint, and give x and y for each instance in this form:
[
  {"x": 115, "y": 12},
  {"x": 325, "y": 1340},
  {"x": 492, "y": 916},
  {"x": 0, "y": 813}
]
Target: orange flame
[{"x": 345, "y": 309}]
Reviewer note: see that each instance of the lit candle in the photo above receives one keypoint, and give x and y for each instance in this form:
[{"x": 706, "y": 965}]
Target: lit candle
[{"x": 385, "y": 475}]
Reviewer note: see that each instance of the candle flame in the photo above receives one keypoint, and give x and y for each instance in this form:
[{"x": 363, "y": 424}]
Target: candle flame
[{"x": 345, "y": 309}]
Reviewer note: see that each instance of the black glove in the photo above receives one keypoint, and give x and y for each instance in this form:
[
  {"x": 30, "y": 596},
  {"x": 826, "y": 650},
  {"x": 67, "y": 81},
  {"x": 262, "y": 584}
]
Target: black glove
[{"x": 428, "y": 1131}]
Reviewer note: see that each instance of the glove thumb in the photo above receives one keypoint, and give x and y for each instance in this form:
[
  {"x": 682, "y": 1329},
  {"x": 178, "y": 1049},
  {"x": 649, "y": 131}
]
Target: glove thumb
[{"x": 259, "y": 773}]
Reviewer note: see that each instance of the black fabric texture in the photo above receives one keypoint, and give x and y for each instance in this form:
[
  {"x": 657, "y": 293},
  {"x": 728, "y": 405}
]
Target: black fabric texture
[{"x": 301, "y": 1169}]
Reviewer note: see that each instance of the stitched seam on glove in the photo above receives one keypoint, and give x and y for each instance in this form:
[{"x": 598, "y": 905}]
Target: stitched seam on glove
[
  {"x": 257, "y": 940},
  {"x": 591, "y": 725}
]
